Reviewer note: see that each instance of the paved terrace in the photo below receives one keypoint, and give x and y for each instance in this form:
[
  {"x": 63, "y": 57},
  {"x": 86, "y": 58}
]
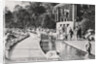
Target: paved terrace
[{"x": 81, "y": 45}]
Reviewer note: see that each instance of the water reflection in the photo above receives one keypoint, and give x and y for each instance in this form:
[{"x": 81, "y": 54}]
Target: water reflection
[
  {"x": 67, "y": 52},
  {"x": 71, "y": 53}
]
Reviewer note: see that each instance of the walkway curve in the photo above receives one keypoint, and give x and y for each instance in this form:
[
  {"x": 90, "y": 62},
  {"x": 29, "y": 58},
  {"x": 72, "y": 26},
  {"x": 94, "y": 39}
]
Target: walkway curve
[{"x": 28, "y": 49}]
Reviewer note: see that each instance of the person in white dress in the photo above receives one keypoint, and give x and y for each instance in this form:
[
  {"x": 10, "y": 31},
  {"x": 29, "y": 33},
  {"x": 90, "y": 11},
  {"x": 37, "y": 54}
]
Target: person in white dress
[{"x": 67, "y": 29}]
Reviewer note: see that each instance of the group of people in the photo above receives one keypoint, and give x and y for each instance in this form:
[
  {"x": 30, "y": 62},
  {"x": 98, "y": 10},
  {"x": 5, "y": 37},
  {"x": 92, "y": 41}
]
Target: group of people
[{"x": 67, "y": 32}]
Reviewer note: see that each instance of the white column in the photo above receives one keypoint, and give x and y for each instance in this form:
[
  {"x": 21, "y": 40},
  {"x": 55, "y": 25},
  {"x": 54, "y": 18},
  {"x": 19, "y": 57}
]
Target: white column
[{"x": 74, "y": 14}]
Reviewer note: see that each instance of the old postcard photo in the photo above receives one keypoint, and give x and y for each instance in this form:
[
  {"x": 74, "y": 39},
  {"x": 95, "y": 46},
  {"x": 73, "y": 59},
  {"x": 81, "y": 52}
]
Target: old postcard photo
[{"x": 45, "y": 31}]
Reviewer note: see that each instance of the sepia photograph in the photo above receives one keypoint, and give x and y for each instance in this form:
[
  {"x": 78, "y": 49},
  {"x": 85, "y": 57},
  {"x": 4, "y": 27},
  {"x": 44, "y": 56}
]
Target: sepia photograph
[{"x": 46, "y": 31}]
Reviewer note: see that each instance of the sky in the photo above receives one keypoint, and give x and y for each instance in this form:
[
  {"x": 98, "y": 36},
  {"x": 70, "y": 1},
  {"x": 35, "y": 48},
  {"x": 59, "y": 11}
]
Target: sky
[{"x": 12, "y": 4}]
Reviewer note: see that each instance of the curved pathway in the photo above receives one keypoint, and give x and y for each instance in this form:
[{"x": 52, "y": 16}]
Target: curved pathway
[{"x": 28, "y": 50}]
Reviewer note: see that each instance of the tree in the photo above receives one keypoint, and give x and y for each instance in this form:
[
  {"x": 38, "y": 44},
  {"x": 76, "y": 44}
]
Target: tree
[
  {"x": 86, "y": 16},
  {"x": 39, "y": 11},
  {"x": 36, "y": 14},
  {"x": 8, "y": 18}
]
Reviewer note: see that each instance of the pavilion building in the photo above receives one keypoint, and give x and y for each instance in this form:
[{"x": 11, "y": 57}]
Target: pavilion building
[{"x": 65, "y": 14}]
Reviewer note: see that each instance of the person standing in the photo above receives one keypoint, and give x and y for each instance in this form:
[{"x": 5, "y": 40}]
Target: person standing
[
  {"x": 75, "y": 32},
  {"x": 88, "y": 48},
  {"x": 67, "y": 31},
  {"x": 79, "y": 33},
  {"x": 59, "y": 31},
  {"x": 71, "y": 33},
  {"x": 88, "y": 45}
]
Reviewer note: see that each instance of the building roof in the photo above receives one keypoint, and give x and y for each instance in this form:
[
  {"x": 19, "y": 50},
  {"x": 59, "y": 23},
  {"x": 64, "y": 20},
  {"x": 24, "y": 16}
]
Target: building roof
[{"x": 61, "y": 5}]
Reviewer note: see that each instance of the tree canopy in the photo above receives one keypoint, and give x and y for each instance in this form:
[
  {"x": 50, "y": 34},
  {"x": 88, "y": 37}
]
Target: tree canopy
[
  {"x": 86, "y": 16},
  {"x": 33, "y": 15}
]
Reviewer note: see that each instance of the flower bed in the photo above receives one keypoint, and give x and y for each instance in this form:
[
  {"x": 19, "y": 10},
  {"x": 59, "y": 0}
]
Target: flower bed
[{"x": 12, "y": 42}]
